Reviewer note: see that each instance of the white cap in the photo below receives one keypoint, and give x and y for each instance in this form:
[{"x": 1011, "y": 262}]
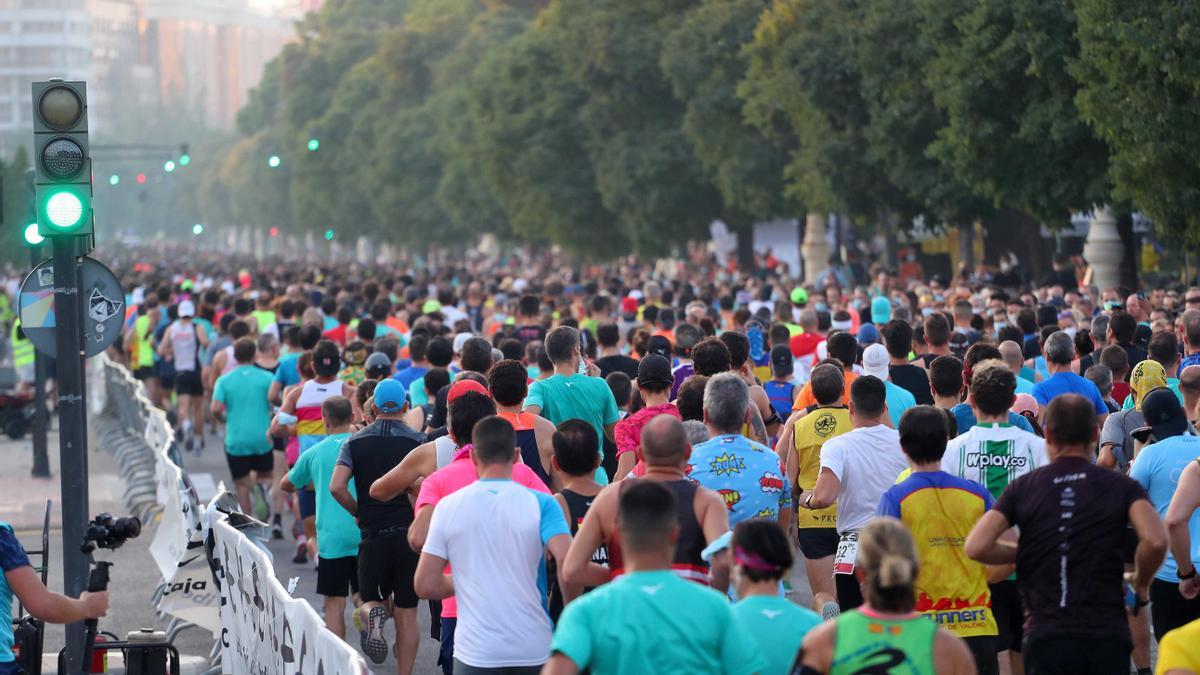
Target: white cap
[
  {"x": 875, "y": 361},
  {"x": 187, "y": 308},
  {"x": 519, "y": 285},
  {"x": 460, "y": 340}
]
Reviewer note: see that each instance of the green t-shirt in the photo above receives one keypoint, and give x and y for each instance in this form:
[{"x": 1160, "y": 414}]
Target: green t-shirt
[
  {"x": 655, "y": 622},
  {"x": 778, "y": 625},
  {"x": 577, "y": 396},
  {"x": 244, "y": 390},
  {"x": 337, "y": 533}
]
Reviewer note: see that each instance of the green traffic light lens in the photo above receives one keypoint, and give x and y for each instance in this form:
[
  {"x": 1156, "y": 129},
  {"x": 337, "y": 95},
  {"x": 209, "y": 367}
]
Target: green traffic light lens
[
  {"x": 328, "y": 235},
  {"x": 273, "y": 161},
  {"x": 184, "y": 160},
  {"x": 314, "y": 144},
  {"x": 32, "y": 237},
  {"x": 197, "y": 229},
  {"x": 60, "y": 107},
  {"x": 65, "y": 210}
]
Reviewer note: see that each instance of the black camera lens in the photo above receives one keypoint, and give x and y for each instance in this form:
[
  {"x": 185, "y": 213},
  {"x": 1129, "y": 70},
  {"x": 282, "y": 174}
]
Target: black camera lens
[{"x": 126, "y": 528}]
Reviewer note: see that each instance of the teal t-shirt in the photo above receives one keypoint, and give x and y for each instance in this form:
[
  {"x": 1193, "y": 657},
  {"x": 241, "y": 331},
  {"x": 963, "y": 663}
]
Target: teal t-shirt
[
  {"x": 337, "y": 533},
  {"x": 898, "y": 400},
  {"x": 563, "y": 397},
  {"x": 655, "y": 622},
  {"x": 778, "y": 626},
  {"x": 244, "y": 391}
]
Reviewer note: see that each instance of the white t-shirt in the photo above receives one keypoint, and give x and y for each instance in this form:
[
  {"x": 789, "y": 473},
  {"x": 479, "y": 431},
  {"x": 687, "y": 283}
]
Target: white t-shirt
[
  {"x": 994, "y": 455},
  {"x": 184, "y": 345},
  {"x": 494, "y": 535},
  {"x": 867, "y": 461}
]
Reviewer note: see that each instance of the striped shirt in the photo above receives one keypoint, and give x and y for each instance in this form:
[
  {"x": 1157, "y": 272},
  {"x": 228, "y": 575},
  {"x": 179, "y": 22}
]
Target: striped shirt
[
  {"x": 310, "y": 428},
  {"x": 994, "y": 455}
]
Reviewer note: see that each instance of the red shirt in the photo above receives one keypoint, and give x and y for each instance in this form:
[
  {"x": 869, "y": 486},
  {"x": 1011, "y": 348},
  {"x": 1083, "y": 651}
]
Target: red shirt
[{"x": 337, "y": 334}]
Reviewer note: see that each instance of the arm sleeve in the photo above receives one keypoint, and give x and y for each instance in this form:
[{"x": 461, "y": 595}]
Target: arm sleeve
[
  {"x": 344, "y": 458},
  {"x": 219, "y": 390},
  {"x": 435, "y": 541},
  {"x": 1039, "y": 394},
  {"x": 612, "y": 414},
  {"x": 889, "y": 505},
  {"x": 832, "y": 459},
  {"x": 572, "y": 637},
  {"x": 300, "y": 475},
  {"x": 1098, "y": 403},
  {"x": 431, "y": 492},
  {"x": 623, "y": 433},
  {"x": 12, "y": 554},
  {"x": 535, "y": 397},
  {"x": 553, "y": 523}
]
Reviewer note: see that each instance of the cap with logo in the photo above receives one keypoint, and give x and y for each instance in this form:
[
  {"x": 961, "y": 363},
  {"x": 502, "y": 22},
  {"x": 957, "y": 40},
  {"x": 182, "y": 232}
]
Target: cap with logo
[{"x": 659, "y": 345}]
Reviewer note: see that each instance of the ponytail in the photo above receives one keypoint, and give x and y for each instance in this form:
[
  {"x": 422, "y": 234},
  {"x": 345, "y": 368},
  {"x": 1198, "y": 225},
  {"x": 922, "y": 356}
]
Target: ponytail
[{"x": 888, "y": 558}]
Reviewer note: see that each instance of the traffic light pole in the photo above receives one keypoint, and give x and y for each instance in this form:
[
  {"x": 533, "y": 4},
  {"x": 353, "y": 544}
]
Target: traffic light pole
[
  {"x": 72, "y": 430},
  {"x": 41, "y": 457}
]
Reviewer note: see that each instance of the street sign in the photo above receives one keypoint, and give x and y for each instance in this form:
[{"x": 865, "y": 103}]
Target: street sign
[{"x": 103, "y": 302}]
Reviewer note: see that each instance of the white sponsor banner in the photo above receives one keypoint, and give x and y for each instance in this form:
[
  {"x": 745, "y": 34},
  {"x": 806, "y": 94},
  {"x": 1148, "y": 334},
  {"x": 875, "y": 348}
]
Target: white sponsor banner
[
  {"x": 263, "y": 628},
  {"x": 192, "y": 596},
  {"x": 171, "y": 537}
]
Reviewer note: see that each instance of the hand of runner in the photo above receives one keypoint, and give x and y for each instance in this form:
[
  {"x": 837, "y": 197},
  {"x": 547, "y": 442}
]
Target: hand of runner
[{"x": 1190, "y": 588}]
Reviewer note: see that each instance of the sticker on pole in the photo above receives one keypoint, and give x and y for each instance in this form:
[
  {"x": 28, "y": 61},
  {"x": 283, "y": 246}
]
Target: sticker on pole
[{"x": 103, "y": 307}]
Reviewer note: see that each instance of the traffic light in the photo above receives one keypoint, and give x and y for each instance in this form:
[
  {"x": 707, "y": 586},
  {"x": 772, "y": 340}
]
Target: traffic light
[
  {"x": 197, "y": 229},
  {"x": 184, "y": 157},
  {"x": 114, "y": 179},
  {"x": 32, "y": 238},
  {"x": 169, "y": 166},
  {"x": 273, "y": 161},
  {"x": 62, "y": 161},
  {"x": 141, "y": 179},
  {"x": 328, "y": 235},
  {"x": 314, "y": 145},
  {"x": 274, "y": 232},
  {"x": 30, "y": 232}
]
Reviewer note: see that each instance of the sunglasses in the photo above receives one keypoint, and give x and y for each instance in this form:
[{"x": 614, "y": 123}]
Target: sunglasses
[{"x": 1193, "y": 300}]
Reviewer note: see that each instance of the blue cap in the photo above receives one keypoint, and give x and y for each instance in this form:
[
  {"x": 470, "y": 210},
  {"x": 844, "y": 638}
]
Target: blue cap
[
  {"x": 390, "y": 396},
  {"x": 868, "y": 334},
  {"x": 881, "y": 310}
]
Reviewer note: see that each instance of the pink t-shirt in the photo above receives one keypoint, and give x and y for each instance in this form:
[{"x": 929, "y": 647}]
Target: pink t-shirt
[
  {"x": 455, "y": 476},
  {"x": 628, "y": 432}
]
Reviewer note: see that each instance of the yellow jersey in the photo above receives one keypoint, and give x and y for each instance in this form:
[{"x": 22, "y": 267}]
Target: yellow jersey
[{"x": 809, "y": 434}]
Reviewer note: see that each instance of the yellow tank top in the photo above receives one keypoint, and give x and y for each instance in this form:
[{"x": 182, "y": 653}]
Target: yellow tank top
[{"x": 810, "y": 433}]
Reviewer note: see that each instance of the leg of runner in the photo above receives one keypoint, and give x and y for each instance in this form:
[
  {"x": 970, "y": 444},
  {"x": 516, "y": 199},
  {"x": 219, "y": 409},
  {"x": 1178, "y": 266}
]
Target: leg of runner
[
  {"x": 184, "y": 410},
  {"x": 408, "y": 638},
  {"x": 820, "y": 580},
  {"x": 335, "y": 615},
  {"x": 197, "y": 415},
  {"x": 279, "y": 498}
]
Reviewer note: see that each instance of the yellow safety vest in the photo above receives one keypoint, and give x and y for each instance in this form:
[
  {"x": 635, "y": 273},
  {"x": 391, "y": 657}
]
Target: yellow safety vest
[{"x": 21, "y": 346}]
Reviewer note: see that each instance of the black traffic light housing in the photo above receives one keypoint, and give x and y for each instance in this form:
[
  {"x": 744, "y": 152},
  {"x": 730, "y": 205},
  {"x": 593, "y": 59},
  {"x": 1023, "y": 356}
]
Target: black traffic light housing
[{"x": 62, "y": 159}]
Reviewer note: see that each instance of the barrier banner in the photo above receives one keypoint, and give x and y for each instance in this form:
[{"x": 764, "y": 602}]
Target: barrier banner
[
  {"x": 190, "y": 593},
  {"x": 171, "y": 537},
  {"x": 263, "y": 628}
]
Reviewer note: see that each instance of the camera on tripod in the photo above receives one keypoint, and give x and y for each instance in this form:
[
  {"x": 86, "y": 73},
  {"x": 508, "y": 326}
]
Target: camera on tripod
[{"x": 105, "y": 531}]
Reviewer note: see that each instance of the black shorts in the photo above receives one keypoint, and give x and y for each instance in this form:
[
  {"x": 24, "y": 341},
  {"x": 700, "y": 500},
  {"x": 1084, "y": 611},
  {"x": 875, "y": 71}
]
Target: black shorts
[
  {"x": 1009, "y": 615},
  {"x": 188, "y": 383},
  {"x": 983, "y": 650},
  {"x": 386, "y": 566},
  {"x": 1170, "y": 609},
  {"x": 144, "y": 373},
  {"x": 241, "y": 465},
  {"x": 817, "y": 542},
  {"x": 335, "y": 575}
]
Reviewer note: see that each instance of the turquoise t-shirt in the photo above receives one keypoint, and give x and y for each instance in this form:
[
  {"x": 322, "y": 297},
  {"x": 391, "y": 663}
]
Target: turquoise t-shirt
[
  {"x": 898, "y": 400},
  {"x": 778, "y": 625},
  {"x": 337, "y": 533},
  {"x": 288, "y": 373},
  {"x": 655, "y": 622},
  {"x": 566, "y": 397},
  {"x": 1024, "y": 386},
  {"x": 416, "y": 392},
  {"x": 12, "y": 556},
  {"x": 244, "y": 390}
]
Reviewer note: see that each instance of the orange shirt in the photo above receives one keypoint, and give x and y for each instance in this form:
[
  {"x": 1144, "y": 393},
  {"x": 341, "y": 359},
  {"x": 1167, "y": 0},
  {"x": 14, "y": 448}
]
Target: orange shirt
[{"x": 806, "y": 398}]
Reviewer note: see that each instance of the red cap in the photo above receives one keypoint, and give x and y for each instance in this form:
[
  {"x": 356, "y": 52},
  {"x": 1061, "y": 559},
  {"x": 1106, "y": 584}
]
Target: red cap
[
  {"x": 629, "y": 305},
  {"x": 462, "y": 387}
]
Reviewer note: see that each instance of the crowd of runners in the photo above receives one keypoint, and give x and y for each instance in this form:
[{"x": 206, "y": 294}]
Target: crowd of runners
[{"x": 613, "y": 468}]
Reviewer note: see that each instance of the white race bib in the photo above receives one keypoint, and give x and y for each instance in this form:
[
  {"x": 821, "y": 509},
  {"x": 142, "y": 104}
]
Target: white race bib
[{"x": 847, "y": 552}]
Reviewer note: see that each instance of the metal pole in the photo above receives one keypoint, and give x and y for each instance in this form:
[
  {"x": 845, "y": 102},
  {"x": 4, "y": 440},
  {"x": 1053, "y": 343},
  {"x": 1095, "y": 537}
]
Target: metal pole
[
  {"x": 41, "y": 457},
  {"x": 72, "y": 428}
]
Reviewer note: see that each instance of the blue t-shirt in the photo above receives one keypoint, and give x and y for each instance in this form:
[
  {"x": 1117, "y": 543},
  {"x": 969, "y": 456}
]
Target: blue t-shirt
[
  {"x": 964, "y": 419},
  {"x": 12, "y": 556},
  {"x": 1024, "y": 386},
  {"x": 288, "y": 374},
  {"x": 407, "y": 376},
  {"x": 1069, "y": 383},
  {"x": 745, "y": 473},
  {"x": 898, "y": 400},
  {"x": 1157, "y": 468}
]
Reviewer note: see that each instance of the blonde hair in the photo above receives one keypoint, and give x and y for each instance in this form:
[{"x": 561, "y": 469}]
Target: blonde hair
[{"x": 888, "y": 559}]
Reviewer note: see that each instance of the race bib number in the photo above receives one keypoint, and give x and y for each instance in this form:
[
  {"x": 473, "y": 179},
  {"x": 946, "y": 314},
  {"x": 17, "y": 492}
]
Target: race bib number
[{"x": 847, "y": 552}]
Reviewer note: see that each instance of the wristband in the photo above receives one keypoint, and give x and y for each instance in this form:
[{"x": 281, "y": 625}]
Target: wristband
[{"x": 1189, "y": 575}]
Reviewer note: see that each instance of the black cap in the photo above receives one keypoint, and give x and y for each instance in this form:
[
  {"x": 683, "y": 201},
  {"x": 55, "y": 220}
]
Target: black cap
[
  {"x": 659, "y": 345},
  {"x": 654, "y": 370},
  {"x": 781, "y": 360},
  {"x": 1164, "y": 414},
  {"x": 378, "y": 365}
]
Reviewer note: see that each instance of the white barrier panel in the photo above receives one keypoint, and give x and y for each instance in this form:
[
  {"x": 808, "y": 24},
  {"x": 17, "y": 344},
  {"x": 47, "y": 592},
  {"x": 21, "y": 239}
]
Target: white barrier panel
[
  {"x": 263, "y": 629},
  {"x": 171, "y": 536}
]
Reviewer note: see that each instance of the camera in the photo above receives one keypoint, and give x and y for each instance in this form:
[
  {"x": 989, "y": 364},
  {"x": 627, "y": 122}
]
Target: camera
[{"x": 105, "y": 531}]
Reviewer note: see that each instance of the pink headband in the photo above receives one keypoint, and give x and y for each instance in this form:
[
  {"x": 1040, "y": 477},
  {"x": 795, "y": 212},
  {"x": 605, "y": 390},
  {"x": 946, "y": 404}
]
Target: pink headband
[{"x": 752, "y": 560}]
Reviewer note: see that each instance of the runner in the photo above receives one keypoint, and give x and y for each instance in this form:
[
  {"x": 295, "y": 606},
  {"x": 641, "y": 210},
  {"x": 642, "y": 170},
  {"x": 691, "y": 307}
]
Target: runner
[
  {"x": 385, "y": 561},
  {"x": 650, "y": 620},
  {"x": 857, "y": 467},
  {"x": 240, "y": 403},
  {"x": 507, "y": 384},
  {"x": 336, "y": 533},
  {"x": 939, "y": 510},
  {"x": 1072, "y": 517},
  {"x": 701, "y": 514},
  {"x": 654, "y": 385},
  {"x": 886, "y": 629},
  {"x": 495, "y": 533},
  {"x": 182, "y": 345},
  {"x": 762, "y": 558},
  {"x": 575, "y": 450}
]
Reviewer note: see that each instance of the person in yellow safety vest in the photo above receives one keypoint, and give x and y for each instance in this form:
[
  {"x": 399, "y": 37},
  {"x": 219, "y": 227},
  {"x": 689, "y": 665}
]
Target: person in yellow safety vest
[
  {"x": 23, "y": 355},
  {"x": 140, "y": 342},
  {"x": 6, "y": 313}
]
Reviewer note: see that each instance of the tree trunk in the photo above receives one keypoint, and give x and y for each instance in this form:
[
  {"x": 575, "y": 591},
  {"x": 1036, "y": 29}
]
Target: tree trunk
[
  {"x": 745, "y": 245},
  {"x": 1129, "y": 240}
]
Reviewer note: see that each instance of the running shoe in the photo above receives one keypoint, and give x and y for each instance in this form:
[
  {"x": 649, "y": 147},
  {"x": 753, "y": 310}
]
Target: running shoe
[
  {"x": 277, "y": 527},
  {"x": 301, "y": 551},
  {"x": 376, "y": 647},
  {"x": 356, "y": 619}
]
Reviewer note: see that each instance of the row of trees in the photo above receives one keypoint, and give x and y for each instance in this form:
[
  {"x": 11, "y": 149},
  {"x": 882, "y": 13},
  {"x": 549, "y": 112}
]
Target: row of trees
[{"x": 611, "y": 125}]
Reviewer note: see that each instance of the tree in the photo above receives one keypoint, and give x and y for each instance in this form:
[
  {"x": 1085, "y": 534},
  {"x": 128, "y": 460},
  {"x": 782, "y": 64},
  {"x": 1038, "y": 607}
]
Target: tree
[{"x": 1139, "y": 88}]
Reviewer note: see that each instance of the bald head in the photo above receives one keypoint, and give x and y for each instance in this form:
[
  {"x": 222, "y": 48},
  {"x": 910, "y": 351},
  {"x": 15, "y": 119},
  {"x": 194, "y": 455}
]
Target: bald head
[
  {"x": 664, "y": 441},
  {"x": 1010, "y": 352},
  {"x": 1189, "y": 381}
]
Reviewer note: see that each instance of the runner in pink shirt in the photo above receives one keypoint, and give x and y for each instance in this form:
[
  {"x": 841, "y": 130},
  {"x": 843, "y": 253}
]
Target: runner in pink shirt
[{"x": 654, "y": 385}]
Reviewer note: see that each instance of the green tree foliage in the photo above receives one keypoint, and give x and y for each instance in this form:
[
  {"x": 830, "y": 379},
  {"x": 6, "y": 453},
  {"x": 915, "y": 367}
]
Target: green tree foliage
[{"x": 1139, "y": 81}]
